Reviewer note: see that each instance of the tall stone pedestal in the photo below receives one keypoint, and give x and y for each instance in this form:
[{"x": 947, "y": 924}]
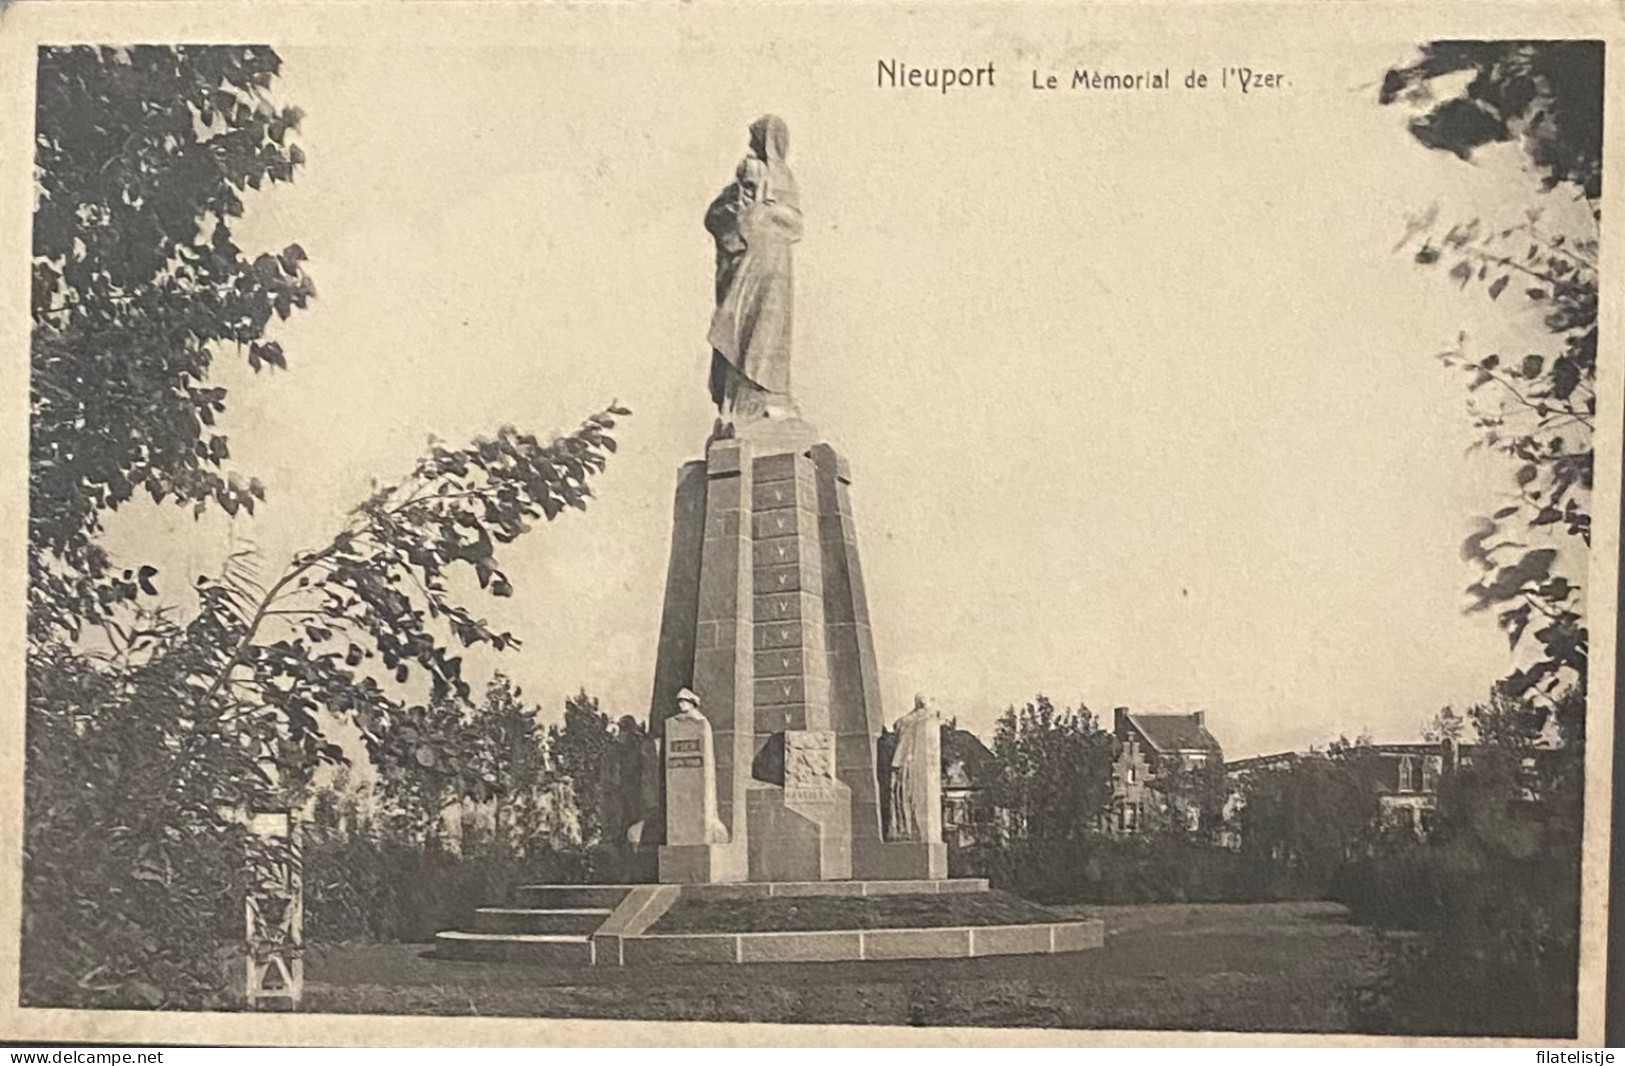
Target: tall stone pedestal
[{"x": 766, "y": 619}]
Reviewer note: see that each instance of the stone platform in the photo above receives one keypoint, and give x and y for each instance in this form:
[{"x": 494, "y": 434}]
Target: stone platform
[{"x": 611, "y": 925}]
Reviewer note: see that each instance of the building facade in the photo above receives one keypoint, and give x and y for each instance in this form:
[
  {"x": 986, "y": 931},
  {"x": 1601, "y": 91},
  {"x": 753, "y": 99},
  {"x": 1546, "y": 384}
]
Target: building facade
[
  {"x": 1408, "y": 783},
  {"x": 968, "y": 769},
  {"x": 1405, "y": 777},
  {"x": 1162, "y": 763}
]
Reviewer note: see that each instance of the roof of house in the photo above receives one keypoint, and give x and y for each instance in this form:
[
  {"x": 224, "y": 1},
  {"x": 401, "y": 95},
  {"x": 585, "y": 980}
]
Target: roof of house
[
  {"x": 1425, "y": 747},
  {"x": 1263, "y": 762},
  {"x": 962, "y": 745},
  {"x": 1392, "y": 751},
  {"x": 970, "y": 762},
  {"x": 1174, "y": 732}
]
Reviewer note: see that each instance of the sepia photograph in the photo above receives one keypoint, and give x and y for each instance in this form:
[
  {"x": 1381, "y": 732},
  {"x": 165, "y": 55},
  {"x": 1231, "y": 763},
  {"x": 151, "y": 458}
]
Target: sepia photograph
[{"x": 1016, "y": 517}]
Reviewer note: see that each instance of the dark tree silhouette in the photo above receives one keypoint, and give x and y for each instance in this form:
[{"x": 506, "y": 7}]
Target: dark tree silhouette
[
  {"x": 143, "y": 156},
  {"x": 151, "y": 730},
  {"x": 1535, "y": 408}
]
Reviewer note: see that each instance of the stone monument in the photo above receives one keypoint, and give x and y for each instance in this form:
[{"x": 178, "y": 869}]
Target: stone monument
[
  {"x": 914, "y": 803},
  {"x": 696, "y": 840},
  {"x": 765, "y": 613},
  {"x": 760, "y": 775}
]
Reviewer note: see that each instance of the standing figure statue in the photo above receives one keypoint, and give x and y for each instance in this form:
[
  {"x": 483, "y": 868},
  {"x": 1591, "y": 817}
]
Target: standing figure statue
[
  {"x": 754, "y": 222},
  {"x": 915, "y": 800}
]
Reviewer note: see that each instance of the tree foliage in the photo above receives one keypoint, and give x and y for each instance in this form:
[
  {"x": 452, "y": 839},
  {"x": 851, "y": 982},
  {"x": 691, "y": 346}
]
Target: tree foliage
[
  {"x": 1531, "y": 759},
  {"x": 1536, "y": 408},
  {"x": 1445, "y": 726},
  {"x": 347, "y": 625},
  {"x": 511, "y": 760},
  {"x": 1494, "y": 890},
  {"x": 133, "y": 873},
  {"x": 1054, "y": 770},
  {"x": 1193, "y": 799},
  {"x": 153, "y": 729},
  {"x": 1311, "y": 814},
  {"x": 498, "y": 766},
  {"x": 143, "y": 158},
  {"x": 1496, "y": 887},
  {"x": 579, "y": 751},
  {"x": 1546, "y": 95},
  {"x": 253, "y": 671}
]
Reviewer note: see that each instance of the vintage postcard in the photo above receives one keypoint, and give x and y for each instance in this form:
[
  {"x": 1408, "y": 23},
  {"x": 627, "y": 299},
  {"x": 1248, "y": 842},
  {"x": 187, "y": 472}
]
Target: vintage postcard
[{"x": 871, "y": 522}]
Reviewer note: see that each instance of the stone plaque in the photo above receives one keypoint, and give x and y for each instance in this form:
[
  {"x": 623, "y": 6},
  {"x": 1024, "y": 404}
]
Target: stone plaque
[{"x": 809, "y": 759}]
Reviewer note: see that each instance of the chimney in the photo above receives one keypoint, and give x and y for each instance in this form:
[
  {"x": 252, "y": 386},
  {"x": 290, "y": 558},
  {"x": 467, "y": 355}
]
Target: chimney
[
  {"x": 1120, "y": 721},
  {"x": 1200, "y": 718}
]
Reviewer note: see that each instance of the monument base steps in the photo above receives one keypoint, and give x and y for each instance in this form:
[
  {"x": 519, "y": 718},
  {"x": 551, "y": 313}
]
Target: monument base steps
[
  {"x": 553, "y": 949},
  {"x": 557, "y": 897},
  {"x": 610, "y": 925},
  {"x": 551, "y": 924},
  {"x": 578, "y": 921}
]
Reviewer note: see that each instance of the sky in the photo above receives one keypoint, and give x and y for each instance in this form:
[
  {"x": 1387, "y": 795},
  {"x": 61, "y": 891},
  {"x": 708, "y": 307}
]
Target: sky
[{"x": 1140, "y": 401}]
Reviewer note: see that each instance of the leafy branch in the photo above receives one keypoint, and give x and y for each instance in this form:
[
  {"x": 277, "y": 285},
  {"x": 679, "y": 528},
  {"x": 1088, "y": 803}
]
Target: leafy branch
[
  {"x": 381, "y": 582},
  {"x": 1547, "y": 98}
]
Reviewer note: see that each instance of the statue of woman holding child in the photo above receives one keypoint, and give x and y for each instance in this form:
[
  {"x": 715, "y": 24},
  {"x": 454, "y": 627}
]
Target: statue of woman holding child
[{"x": 754, "y": 222}]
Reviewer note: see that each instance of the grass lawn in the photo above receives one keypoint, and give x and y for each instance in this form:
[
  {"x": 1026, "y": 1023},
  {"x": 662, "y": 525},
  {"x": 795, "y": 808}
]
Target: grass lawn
[
  {"x": 691, "y": 915},
  {"x": 1281, "y": 967}
]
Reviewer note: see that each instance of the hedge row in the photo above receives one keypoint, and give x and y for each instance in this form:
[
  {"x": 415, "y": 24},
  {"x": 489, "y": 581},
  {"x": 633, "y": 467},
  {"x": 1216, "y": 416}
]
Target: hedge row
[{"x": 1134, "y": 870}]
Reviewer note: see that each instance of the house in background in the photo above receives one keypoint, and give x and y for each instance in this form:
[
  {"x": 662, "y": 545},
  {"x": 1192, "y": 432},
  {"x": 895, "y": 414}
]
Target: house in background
[
  {"x": 1408, "y": 781},
  {"x": 968, "y": 769},
  {"x": 1154, "y": 750},
  {"x": 1405, "y": 777}
]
